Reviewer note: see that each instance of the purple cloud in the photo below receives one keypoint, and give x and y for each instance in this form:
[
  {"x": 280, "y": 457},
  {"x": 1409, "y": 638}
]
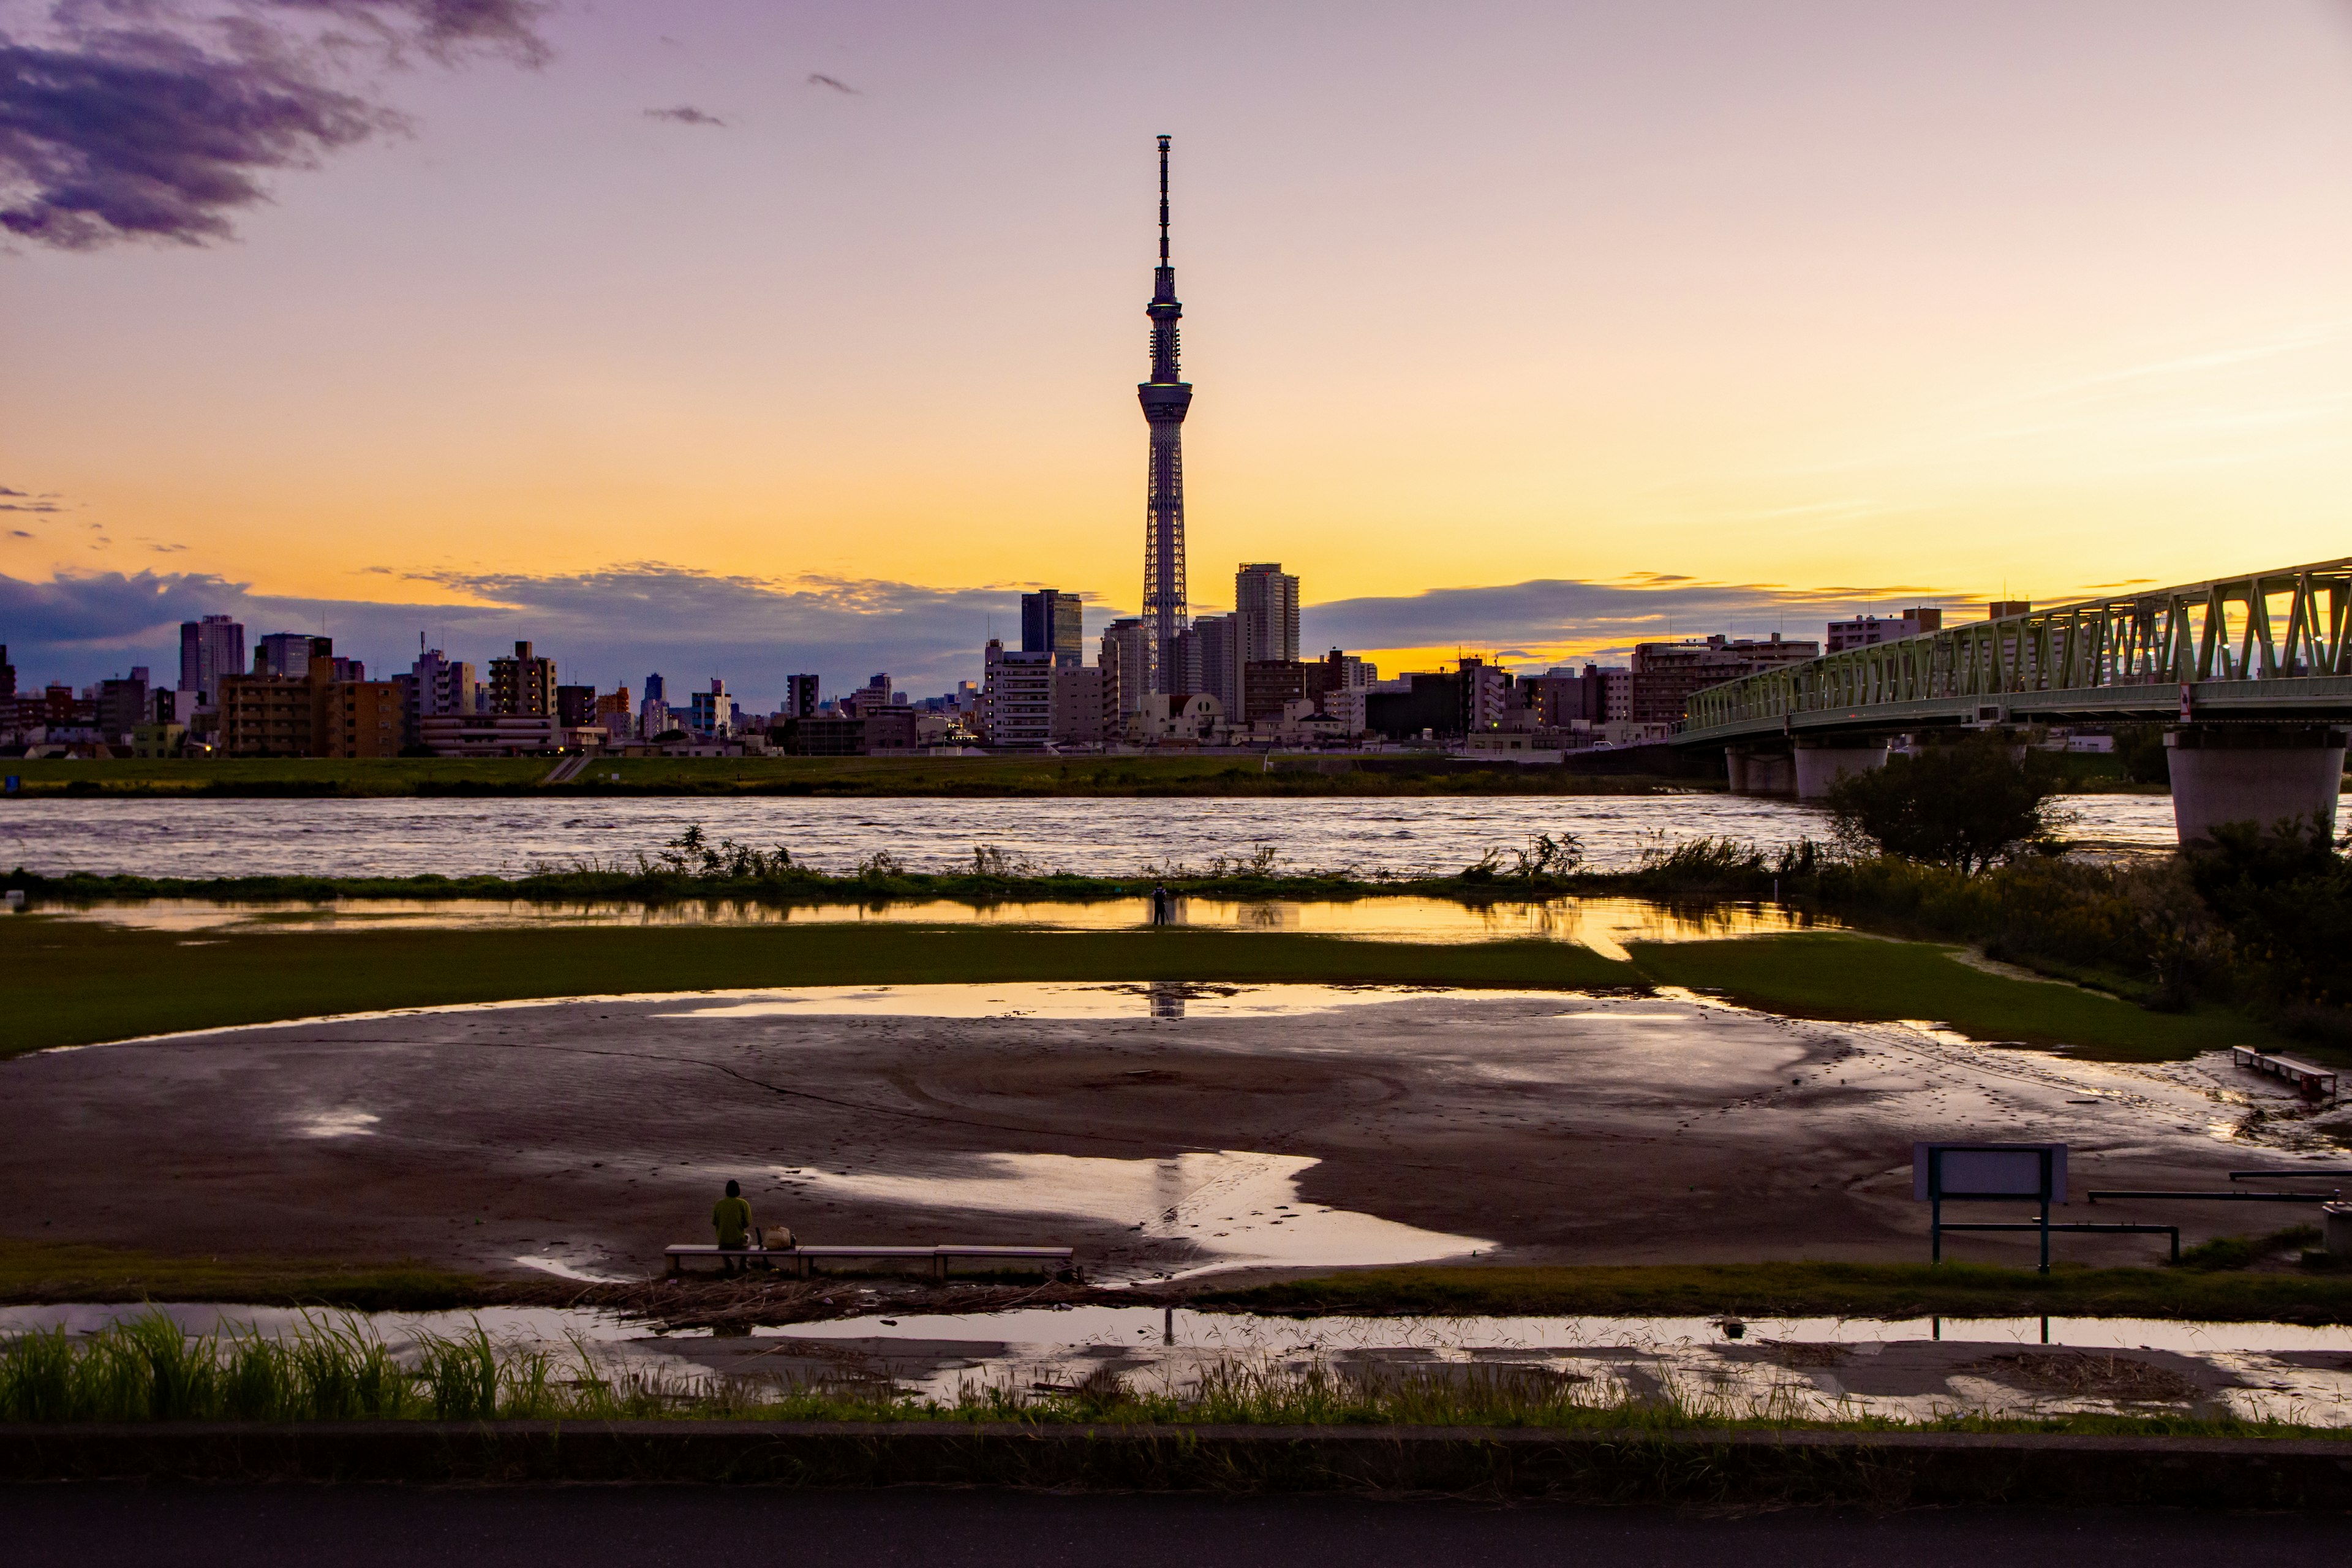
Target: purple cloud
[
  {"x": 158, "y": 122},
  {"x": 685, "y": 114}
]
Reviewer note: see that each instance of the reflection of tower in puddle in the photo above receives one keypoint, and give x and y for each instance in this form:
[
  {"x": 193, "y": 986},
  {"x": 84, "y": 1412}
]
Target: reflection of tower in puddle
[
  {"x": 1167, "y": 998},
  {"x": 1267, "y": 917}
]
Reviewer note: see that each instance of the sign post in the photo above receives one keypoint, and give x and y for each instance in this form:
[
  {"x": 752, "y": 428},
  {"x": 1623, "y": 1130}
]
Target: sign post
[{"x": 1988, "y": 1170}]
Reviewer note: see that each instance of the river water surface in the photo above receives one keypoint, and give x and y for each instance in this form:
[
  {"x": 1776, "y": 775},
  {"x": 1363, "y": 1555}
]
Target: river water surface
[{"x": 1091, "y": 836}]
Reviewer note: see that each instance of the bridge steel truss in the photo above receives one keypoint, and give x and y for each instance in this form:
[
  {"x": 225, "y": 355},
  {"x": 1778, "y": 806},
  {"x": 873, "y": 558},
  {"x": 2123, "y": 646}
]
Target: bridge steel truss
[{"x": 2271, "y": 647}]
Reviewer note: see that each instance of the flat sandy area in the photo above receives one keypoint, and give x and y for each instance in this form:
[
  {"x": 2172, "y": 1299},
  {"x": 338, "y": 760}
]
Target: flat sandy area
[{"x": 1286, "y": 1126}]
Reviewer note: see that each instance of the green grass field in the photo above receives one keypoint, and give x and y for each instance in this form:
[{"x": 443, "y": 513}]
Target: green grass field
[
  {"x": 1834, "y": 976},
  {"x": 80, "y": 981}
]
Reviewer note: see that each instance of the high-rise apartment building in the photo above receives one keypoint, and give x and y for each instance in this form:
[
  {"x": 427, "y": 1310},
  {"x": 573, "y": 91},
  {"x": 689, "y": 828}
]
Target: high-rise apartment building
[
  {"x": 285, "y": 655},
  {"x": 524, "y": 685},
  {"x": 210, "y": 649},
  {"x": 800, "y": 696},
  {"x": 711, "y": 712},
  {"x": 1219, "y": 674},
  {"x": 1016, "y": 696},
  {"x": 575, "y": 706},
  {"x": 1052, "y": 622},
  {"x": 1166, "y": 398},
  {"x": 1265, "y": 615},
  {"x": 1122, "y": 654}
]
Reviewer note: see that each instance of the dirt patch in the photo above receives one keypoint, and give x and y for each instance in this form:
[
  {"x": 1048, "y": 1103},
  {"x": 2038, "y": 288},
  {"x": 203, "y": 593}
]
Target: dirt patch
[{"x": 2089, "y": 1376}]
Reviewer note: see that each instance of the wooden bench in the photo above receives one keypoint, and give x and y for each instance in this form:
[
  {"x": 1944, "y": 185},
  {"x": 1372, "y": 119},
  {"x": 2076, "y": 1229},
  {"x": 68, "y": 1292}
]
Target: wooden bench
[
  {"x": 801, "y": 1261},
  {"x": 2312, "y": 1080}
]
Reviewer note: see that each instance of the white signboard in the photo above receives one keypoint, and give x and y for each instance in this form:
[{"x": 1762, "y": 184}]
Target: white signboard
[{"x": 1988, "y": 1170}]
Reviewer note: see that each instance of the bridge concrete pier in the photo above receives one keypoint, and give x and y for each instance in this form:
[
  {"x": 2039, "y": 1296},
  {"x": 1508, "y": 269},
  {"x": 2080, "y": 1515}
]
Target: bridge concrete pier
[
  {"x": 2262, "y": 774},
  {"x": 1760, "y": 770},
  {"x": 1820, "y": 763}
]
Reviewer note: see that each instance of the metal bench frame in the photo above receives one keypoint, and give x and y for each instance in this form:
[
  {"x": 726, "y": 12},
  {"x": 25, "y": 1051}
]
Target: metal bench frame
[{"x": 803, "y": 1260}]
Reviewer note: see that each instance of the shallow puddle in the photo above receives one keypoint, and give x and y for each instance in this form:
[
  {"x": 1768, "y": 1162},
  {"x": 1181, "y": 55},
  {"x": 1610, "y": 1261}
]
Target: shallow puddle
[
  {"x": 1799, "y": 1368},
  {"x": 1605, "y": 925},
  {"x": 1235, "y": 1208},
  {"x": 1048, "y": 999}
]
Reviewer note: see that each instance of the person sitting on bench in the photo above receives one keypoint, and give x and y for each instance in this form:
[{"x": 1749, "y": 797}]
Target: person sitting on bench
[{"x": 731, "y": 1217}]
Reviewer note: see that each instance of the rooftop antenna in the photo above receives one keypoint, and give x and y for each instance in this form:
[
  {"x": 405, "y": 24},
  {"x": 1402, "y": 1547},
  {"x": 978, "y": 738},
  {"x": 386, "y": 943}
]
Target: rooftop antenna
[{"x": 1163, "y": 201}]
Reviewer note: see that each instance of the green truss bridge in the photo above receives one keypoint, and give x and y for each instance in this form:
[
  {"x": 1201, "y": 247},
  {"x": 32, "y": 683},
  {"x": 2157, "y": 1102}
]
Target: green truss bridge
[{"x": 2251, "y": 676}]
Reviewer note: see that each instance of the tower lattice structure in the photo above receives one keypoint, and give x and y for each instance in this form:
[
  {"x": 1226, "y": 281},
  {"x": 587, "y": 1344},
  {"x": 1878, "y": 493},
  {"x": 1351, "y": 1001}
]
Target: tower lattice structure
[{"x": 1166, "y": 398}]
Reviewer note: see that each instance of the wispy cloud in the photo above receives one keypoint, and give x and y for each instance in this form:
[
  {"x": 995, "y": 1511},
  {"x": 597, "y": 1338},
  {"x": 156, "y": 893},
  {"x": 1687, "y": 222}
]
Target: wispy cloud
[
  {"x": 685, "y": 114},
  {"x": 818, "y": 79},
  {"x": 155, "y": 119}
]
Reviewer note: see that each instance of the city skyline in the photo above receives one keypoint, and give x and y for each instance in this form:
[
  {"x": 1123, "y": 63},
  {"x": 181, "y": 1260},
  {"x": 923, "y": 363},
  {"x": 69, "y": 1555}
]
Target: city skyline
[{"x": 1606, "y": 374}]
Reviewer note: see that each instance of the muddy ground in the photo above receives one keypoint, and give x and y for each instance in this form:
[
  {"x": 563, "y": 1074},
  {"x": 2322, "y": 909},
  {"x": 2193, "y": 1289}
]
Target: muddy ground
[{"x": 1527, "y": 1128}]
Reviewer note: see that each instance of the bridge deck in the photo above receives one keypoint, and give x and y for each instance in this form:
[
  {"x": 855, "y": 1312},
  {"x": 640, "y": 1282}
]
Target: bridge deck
[{"x": 2271, "y": 647}]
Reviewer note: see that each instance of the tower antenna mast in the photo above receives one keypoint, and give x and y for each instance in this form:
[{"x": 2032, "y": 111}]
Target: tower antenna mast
[{"x": 1166, "y": 398}]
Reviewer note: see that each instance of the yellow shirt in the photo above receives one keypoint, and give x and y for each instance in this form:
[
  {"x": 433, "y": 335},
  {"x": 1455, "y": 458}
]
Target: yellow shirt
[{"x": 733, "y": 1218}]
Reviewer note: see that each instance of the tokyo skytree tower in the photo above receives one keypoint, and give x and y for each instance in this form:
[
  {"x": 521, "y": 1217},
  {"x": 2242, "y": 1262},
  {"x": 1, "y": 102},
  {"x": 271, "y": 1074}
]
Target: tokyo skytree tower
[{"x": 1165, "y": 398}]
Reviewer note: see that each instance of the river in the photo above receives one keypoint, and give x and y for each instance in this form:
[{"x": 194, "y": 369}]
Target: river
[{"x": 1094, "y": 836}]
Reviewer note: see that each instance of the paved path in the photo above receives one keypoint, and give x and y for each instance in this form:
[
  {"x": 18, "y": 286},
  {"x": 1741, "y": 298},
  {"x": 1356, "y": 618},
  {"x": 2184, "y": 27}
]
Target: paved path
[{"x": 386, "y": 1527}]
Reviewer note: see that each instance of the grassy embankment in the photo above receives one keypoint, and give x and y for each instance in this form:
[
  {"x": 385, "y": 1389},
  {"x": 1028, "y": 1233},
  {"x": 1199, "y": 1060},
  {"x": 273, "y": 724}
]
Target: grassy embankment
[
  {"x": 1373, "y": 774},
  {"x": 147, "y": 1370},
  {"x": 67, "y": 976}
]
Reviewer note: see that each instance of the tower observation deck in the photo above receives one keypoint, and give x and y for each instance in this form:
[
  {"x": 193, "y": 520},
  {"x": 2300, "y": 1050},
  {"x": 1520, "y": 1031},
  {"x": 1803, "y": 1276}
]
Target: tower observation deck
[{"x": 1166, "y": 398}]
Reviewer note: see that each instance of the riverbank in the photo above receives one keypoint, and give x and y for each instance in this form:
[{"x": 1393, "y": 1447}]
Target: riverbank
[
  {"x": 66, "y": 974},
  {"x": 2258, "y": 1283},
  {"x": 1646, "y": 770}
]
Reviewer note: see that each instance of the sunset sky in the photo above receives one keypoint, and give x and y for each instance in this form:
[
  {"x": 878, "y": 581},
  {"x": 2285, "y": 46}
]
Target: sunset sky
[{"x": 740, "y": 336}]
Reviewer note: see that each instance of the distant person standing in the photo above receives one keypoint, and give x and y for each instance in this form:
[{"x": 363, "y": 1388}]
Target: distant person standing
[
  {"x": 1162, "y": 904},
  {"x": 731, "y": 1218}
]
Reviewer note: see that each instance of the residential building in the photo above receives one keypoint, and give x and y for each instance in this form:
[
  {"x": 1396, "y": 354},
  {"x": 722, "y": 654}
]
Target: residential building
[
  {"x": 1082, "y": 711},
  {"x": 436, "y": 684},
  {"x": 711, "y": 712},
  {"x": 159, "y": 739},
  {"x": 285, "y": 655},
  {"x": 122, "y": 707},
  {"x": 8, "y": 675},
  {"x": 1486, "y": 696},
  {"x": 654, "y": 719},
  {"x": 800, "y": 696},
  {"x": 1219, "y": 672},
  {"x": 354, "y": 717},
  {"x": 1413, "y": 705},
  {"x": 1664, "y": 674},
  {"x": 851, "y": 736},
  {"x": 1052, "y": 622},
  {"x": 575, "y": 706},
  {"x": 614, "y": 714},
  {"x": 265, "y": 715},
  {"x": 522, "y": 686},
  {"x": 1265, "y": 615},
  {"x": 1869, "y": 631},
  {"x": 1180, "y": 669},
  {"x": 2001, "y": 609},
  {"x": 210, "y": 649},
  {"x": 1267, "y": 684},
  {"x": 492, "y": 734},
  {"x": 1016, "y": 696},
  {"x": 172, "y": 708},
  {"x": 1562, "y": 698},
  {"x": 1122, "y": 657}
]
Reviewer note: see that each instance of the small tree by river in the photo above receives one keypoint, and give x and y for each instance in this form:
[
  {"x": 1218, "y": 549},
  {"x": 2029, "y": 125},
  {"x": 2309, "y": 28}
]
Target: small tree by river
[{"x": 1964, "y": 806}]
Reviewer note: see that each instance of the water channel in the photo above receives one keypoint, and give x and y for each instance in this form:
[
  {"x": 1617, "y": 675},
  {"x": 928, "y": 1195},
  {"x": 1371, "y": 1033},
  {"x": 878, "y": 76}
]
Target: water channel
[{"x": 1118, "y": 836}]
